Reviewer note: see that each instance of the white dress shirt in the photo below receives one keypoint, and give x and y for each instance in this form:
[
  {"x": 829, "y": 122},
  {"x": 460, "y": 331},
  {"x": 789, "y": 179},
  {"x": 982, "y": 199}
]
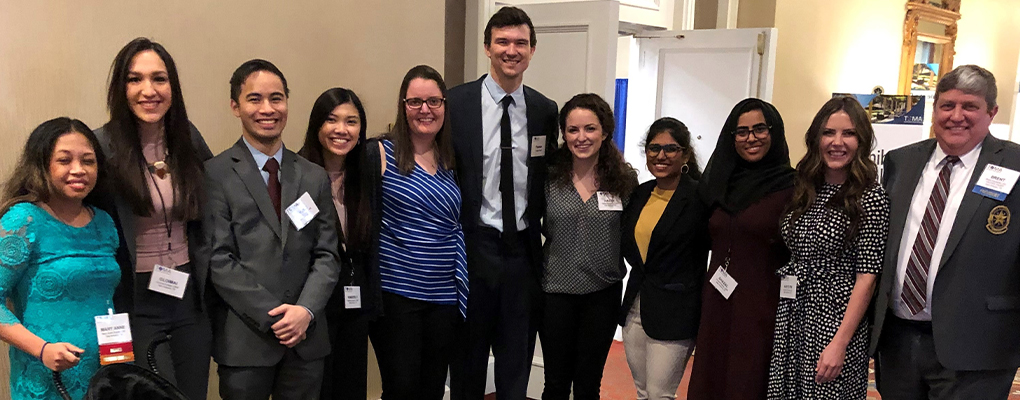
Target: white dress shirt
[
  {"x": 491, "y": 213},
  {"x": 958, "y": 186}
]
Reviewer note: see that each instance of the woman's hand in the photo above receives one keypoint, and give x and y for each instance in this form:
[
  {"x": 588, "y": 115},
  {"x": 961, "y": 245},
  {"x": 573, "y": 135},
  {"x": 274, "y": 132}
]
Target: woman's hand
[
  {"x": 830, "y": 363},
  {"x": 61, "y": 356}
]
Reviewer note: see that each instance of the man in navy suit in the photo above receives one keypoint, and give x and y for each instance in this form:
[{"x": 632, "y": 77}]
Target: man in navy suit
[
  {"x": 503, "y": 133},
  {"x": 948, "y": 302}
]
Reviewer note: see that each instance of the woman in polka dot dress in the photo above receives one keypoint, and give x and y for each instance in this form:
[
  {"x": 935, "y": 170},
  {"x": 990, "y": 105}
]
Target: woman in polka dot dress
[{"x": 836, "y": 230}]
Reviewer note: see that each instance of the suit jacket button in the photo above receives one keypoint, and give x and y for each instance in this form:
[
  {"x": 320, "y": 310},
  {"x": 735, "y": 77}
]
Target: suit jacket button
[{"x": 287, "y": 293}]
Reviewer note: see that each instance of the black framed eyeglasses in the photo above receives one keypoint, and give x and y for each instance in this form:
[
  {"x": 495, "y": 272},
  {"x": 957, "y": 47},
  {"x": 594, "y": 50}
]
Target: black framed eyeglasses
[
  {"x": 760, "y": 131},
  {"x": 671, "y": 150},
  {"x": 432, "y": 102}
]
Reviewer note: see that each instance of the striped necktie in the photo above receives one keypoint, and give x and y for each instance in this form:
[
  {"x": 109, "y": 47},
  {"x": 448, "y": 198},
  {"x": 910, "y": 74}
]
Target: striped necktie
[{"x": 915, "y": 283}]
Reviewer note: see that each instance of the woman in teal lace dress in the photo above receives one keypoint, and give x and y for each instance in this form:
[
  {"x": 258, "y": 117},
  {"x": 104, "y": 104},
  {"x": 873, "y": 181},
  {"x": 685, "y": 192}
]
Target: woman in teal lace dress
[{"x": 57, "y": 263}]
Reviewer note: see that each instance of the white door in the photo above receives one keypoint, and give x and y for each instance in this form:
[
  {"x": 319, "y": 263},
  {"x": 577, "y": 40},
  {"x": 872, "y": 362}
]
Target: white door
[
  {"x": 696, "y": 77},
  {"x": 575, "y": 51}
]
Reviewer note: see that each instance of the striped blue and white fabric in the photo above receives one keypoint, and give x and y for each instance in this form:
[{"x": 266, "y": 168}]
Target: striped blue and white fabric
[{"x": 421, "y": 243}]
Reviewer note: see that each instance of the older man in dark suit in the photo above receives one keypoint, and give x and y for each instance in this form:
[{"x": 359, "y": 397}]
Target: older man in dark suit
[
  {"x": 274, "y": 262},
  {"x": 503, "y": 133},
  {"x": 948, "y": 305}
]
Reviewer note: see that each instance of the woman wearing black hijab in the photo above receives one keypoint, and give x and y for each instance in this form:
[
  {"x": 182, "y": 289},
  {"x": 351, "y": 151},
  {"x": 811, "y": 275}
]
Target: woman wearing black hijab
[{"x": 747, "y": 183}]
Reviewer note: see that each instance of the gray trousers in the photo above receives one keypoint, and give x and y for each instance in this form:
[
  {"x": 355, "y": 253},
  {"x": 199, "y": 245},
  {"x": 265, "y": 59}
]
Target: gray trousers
[
  {"x": 293, "y": 378},
  {"x": 906, "y": 368}
]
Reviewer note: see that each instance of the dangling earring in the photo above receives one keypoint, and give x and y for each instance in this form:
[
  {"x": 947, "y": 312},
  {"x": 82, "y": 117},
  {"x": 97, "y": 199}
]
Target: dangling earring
[{"x": 684, "y": 168}]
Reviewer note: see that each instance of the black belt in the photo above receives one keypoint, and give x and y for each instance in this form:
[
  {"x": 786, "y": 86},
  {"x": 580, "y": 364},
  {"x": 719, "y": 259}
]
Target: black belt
[{"x": 924, "y": 326}]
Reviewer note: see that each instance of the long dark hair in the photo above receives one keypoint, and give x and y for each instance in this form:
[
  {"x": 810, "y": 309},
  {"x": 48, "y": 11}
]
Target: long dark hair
[
  {"x": 612, "y": 173},
  {"x": 30, "y": 181},
  {"x": 679, "y": 132},
  {"x": 862, "y": 172},
  {"x": 355, "y": 199},
  {"x": 400, "y": 135},
  {"x": 127, "y": 164}
]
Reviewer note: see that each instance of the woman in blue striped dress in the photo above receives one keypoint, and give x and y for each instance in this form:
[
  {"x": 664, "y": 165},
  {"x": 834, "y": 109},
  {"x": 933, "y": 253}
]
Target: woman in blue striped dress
[{"x": 422, "y": 262}]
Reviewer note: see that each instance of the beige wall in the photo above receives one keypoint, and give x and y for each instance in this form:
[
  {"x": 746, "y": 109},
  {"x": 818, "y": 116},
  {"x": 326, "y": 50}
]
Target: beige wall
[
  {"x": 989, "y": 36},
  {"x": 705, "y": 14},
  {"x": 758, "y": 13},
  {"x": 55, "y": 57},
  {"x": 827, "y": 47}
]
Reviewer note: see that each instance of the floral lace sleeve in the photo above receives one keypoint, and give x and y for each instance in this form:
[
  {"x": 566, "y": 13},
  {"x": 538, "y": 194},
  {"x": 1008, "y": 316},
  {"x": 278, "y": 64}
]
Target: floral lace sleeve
[{"x": 15, "y": 254}]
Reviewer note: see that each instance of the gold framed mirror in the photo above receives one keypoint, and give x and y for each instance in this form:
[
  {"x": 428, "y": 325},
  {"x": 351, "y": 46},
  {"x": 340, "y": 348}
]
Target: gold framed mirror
[{"x": 929, "y": 40}]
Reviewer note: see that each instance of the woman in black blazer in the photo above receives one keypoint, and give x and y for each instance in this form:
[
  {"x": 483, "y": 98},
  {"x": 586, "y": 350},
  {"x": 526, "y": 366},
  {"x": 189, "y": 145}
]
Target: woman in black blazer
[{"x": 665, "y": 240}]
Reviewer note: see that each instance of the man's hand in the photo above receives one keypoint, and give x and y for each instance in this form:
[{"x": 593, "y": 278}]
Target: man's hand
[{"x": 291, "y": 328}]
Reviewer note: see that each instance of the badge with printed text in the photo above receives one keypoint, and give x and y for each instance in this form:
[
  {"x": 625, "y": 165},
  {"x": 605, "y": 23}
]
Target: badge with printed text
[
  {"x": 996, "y": 182},
  {"x": 723, "y": 282},
  {"x": 538, "y": 146},
  {"x": 609, "y": 201},
  {"x": 114, "y": 336},
  {"x": 302, "y": 211},
  {"x": 998, "y": 220}
]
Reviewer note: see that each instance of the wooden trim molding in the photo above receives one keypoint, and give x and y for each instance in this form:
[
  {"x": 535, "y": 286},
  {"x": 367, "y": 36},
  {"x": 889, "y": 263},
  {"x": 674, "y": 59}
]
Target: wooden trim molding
[{"x": 925, "y": 10}]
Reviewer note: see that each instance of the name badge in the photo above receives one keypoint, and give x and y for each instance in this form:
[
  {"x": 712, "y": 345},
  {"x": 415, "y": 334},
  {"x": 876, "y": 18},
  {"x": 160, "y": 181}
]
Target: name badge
[
  {"x": 302, "y": 211},
  {"x": 723, "y": 282},
  {"x": 168, "y": 281},
  {"x": 996, "y": 182},
  {"x": 788, "y": 287},
  {"x": 114, "y": 334},
  {"x": 609, "y": 202},
  {"x": 538, "y": 146},
  {"x": 352, "y": 297}
]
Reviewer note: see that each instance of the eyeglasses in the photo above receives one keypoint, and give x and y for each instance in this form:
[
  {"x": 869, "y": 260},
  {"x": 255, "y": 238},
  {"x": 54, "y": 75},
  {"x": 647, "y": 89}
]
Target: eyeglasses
[
  {"x": 760, "y": 131},
  {"x": 432, "y": 102},
  {"x": 671, "y": 150}
]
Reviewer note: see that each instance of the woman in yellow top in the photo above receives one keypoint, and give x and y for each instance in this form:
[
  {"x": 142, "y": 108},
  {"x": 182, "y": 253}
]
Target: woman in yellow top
[{"x": 665, "y": 241}]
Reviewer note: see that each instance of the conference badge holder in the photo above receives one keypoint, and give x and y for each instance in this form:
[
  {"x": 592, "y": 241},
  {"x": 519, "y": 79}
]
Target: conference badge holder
[{"x": 114, "y": 334}]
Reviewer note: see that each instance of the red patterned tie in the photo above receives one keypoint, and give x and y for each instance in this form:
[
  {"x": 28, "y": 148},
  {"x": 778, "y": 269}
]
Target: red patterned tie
[
  {"x": 273, "y": 168},
  {"x": 915, "y": 283}
]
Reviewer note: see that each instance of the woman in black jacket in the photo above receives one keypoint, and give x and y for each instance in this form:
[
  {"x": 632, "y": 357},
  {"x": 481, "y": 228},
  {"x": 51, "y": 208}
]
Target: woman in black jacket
[
  {"x": 336, "y": 141},
  {"x": 665, "y": 240}
]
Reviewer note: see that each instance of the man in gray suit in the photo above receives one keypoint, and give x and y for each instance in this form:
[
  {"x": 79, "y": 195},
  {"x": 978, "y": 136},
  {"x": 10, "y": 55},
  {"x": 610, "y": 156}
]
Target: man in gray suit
[
  {"x": 948, "y": 304},
  {"x": 274, "y": 258}
]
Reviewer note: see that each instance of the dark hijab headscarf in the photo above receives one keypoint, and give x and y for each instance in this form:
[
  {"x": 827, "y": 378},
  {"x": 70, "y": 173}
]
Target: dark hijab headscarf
[{"x": 733, "y": 183}]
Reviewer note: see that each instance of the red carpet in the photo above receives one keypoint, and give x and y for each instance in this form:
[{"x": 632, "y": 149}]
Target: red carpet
[{"x": 617, "y": 383}]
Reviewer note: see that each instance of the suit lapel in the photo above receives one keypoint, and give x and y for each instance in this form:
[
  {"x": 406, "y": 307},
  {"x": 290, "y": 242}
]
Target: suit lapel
[
  {"x": 990, "y": 153},
  {"x": 289, "y": 185},
  {"x": 669, "y": 217},
  {"x": 127, "y": 226},
  {"x": 251, "y": 177},
  {"x": 629, "y": 222},
  {"x": 903, "y": 193},
  {"x": 474, "y": 138},
  {"x": 534, "y": 129}
]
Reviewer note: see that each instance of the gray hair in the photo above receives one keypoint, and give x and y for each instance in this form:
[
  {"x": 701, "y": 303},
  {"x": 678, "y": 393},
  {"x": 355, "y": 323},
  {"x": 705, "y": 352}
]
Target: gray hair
[{"x": 970, "y": 79}]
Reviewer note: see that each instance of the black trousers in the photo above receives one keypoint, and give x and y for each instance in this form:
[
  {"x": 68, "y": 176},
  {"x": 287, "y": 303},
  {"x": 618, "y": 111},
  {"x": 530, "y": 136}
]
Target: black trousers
[
  {"x": 414, "y": 343},
  {"x": 345, "y": 375},
  {"x": 577, "y": 332},
  {"x": 906, "y": 368},
  {"x": 504, "y": 317},
  {"x": 184, "y": 361}
]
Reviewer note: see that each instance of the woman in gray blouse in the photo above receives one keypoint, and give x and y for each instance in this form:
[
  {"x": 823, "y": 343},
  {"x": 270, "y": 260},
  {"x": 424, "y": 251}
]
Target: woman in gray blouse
[{"x": 588, "y": 179}]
